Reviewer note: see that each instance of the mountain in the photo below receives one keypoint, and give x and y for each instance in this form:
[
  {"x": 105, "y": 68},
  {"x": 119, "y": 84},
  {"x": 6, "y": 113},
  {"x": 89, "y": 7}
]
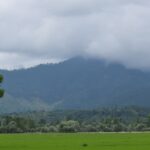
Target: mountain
[{"x": 74, "y": 84}]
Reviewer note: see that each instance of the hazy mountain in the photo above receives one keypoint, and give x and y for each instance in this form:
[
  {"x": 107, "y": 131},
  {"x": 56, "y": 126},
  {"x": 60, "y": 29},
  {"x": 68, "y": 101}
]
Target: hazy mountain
[{"x": 76, "y": 83}]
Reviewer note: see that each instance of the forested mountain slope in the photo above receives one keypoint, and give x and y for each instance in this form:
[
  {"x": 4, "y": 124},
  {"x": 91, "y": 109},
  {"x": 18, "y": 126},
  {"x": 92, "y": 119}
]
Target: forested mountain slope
[{"x": 74, "y": 84}]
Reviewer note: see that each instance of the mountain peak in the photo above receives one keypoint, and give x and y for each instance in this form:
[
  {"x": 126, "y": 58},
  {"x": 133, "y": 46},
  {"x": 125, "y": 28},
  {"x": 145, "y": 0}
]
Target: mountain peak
[{"x": 78, "y": 83}]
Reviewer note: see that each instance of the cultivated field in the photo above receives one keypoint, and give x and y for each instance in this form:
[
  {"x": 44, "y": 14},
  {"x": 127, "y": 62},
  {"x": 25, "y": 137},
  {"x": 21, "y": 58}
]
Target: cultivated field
[{"x": 85, "y": 141}]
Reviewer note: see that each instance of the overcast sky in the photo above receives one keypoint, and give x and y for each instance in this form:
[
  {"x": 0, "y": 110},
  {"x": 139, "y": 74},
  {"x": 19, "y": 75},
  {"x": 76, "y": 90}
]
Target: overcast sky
[{"x": 40, "y": 31}]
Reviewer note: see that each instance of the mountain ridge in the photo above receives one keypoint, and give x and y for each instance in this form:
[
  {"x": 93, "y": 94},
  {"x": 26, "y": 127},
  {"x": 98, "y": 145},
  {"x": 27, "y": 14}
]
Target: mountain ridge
[{"x": 77, "y": 83}]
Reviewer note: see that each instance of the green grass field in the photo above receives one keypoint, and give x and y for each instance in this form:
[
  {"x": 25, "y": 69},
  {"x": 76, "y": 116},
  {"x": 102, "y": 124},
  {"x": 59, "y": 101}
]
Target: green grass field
[{"x": 85, "y": 141}]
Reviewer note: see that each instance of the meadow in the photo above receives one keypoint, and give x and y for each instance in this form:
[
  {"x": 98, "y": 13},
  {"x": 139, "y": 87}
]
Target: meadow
[{"x": 81, "y": 141}]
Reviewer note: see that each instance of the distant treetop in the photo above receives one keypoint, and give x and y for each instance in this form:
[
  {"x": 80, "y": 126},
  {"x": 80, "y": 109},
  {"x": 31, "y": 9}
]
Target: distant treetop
[{"x": 1, "y": 90}]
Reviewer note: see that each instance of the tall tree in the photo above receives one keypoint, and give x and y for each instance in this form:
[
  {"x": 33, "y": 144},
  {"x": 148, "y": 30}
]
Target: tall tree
[{"x": 1, "y": 90}]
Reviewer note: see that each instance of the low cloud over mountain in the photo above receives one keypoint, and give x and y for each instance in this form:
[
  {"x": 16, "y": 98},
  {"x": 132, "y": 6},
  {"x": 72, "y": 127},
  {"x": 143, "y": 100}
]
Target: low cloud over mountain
[{"x": 34, "y": 32}]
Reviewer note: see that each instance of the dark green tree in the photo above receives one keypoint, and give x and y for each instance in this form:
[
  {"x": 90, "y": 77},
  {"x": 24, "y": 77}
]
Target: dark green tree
[{"x": 1, "y": 90}]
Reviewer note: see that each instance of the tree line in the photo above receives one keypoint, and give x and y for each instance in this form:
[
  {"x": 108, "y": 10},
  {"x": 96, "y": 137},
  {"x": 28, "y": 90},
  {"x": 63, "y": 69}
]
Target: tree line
[{"x": 115, "y": 119}]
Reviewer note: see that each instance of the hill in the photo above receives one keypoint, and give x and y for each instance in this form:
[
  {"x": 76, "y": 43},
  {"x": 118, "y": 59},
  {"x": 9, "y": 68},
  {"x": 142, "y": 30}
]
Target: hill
[{"x": 74, "y": 84}]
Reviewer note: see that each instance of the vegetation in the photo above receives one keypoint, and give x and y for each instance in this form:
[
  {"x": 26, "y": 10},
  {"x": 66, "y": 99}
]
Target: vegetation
[
  {"x": 116, "y": 119},
  {"x": 75, "y": 84},
  {"x": 126, "y": 141},
  {"x": 1, "y": 90}
]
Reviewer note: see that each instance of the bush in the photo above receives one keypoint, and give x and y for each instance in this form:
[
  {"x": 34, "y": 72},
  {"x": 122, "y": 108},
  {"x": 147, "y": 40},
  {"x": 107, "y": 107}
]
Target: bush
[{"x": 69, "y": 126}]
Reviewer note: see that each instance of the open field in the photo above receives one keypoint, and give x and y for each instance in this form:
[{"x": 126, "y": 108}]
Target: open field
[{"x": 95, "y": 141}]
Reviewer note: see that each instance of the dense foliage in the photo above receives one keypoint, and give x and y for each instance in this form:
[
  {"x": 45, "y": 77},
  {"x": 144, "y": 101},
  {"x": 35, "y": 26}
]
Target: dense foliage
[
  {"x": 100, "y": 120},
  {"x": 1, "y": 90}
]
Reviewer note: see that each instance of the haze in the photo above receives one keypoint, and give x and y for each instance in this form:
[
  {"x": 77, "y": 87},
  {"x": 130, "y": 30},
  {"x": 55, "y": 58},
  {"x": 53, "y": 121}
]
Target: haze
[{"x": 34, "y": 31}]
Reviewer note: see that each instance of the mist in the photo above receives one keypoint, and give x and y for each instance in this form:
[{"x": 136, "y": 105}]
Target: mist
[{"x": 35, "y": 32}]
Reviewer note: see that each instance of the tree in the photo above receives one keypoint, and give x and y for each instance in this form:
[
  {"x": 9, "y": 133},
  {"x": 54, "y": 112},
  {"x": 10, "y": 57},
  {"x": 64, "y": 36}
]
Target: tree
[
  {"x": 1, "y": 90},
  {"x": 69, "y": 126}
]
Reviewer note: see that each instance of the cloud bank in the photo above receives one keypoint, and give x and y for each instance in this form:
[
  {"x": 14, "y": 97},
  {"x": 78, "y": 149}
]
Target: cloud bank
[{"x": 34, "y": 31}]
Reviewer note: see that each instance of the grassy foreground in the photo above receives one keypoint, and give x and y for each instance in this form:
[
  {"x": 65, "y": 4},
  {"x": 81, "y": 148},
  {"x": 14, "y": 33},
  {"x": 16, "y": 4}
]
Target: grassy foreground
[{"x": 97, "y": 141}]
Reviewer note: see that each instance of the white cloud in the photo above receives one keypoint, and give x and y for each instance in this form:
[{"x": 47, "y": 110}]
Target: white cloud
[{"x": 34, "y": 31}]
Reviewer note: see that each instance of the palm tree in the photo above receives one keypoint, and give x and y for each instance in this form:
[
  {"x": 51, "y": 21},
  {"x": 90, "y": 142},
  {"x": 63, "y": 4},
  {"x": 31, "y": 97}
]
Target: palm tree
[{"x": 1, "y": 90}]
